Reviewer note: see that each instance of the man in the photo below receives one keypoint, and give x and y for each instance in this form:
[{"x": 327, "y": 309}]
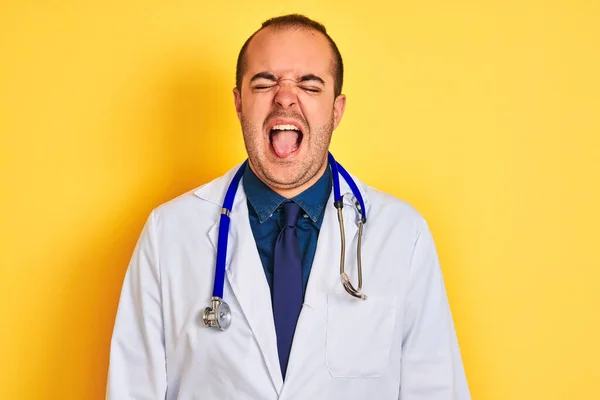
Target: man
[{"x": 295, "y": 333}]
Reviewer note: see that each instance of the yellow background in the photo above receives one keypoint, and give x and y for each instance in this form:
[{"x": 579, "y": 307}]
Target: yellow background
[{"x": 482, "y": 114}]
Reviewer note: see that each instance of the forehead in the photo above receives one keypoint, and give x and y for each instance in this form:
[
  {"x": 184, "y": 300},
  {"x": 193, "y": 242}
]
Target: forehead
[{"x": 289, "y": 51}]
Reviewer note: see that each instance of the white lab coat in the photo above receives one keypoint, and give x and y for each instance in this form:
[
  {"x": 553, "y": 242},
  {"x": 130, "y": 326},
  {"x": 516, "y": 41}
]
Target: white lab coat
[{"x": 398, "y": 344}]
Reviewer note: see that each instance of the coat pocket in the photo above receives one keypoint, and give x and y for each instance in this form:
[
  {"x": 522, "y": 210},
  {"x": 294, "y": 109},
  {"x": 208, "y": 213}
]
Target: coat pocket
[{"x": 359, "y": 335}]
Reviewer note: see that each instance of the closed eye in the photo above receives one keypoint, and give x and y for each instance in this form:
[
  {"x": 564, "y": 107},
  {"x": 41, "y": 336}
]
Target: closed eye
[
  {"x": 311, "y": 89},
  {"x": 262, "y": 87}
]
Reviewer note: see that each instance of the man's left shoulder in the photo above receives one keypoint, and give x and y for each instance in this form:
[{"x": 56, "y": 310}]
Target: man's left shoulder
[{"x": 385, "y": 206}]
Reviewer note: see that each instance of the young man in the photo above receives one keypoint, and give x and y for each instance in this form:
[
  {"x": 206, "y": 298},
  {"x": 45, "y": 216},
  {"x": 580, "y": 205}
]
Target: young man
[{"x": 296, "y": 331}]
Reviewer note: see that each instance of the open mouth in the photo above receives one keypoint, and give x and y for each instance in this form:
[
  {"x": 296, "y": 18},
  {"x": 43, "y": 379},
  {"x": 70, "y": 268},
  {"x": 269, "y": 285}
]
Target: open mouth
[{"x": 285, "y": 139}]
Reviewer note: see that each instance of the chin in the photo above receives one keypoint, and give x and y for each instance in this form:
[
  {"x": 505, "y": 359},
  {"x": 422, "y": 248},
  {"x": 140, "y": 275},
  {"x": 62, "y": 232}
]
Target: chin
[{"x": 285, "y": 177}]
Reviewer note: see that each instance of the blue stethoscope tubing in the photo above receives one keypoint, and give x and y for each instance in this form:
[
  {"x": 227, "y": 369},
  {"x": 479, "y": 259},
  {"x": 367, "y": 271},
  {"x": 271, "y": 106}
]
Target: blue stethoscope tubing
[{"x": 211, "y": 317}]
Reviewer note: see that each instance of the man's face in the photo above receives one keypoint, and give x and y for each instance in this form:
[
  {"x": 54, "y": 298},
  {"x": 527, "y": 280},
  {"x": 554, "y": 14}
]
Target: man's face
[{"x": 287, "y": 106}]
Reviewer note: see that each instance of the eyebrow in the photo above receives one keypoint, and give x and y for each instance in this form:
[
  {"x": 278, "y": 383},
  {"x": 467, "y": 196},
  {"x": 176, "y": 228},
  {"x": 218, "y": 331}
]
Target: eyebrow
[
  {"x": 264, "y": 75},
  {"x": 271, "y": 77},
  {"x": 312, "y": 77}
]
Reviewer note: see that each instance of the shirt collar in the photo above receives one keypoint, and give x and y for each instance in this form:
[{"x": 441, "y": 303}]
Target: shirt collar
[
  {"x": 265, "y": 201},
  {"x": 313, "y": 199}
]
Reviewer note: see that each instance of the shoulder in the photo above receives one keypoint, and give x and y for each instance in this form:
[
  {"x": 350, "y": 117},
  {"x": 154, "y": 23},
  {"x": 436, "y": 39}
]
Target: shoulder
[
  {"x": 201, "y": 203},
  {"x": 386, "y": 209}
]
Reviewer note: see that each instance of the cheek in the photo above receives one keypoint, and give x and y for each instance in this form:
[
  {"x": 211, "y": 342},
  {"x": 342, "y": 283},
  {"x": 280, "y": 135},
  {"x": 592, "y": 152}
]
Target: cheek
[
  {"x": 318, "y": 113},
  {"x": 256, "y": 109}
]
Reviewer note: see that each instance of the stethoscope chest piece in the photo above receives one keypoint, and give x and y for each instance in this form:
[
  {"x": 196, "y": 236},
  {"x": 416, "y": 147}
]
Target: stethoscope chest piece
[{"x": 218, "y": 315}]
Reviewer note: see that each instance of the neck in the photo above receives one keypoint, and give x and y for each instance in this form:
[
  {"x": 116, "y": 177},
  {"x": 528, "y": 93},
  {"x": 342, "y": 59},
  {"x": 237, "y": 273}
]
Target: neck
[{"x": 289, "y": 193}]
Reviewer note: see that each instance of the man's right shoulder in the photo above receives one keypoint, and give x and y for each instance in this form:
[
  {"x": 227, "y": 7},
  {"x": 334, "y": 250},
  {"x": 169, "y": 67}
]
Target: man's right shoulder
[{"x": 203, "y": 201}]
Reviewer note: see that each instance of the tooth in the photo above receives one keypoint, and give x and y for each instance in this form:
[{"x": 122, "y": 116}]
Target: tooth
[{"x": 286, "y": 128}]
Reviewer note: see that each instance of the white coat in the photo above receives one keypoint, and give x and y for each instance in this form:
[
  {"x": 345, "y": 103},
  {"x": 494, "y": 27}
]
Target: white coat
[{"x": 398, "y": 344}]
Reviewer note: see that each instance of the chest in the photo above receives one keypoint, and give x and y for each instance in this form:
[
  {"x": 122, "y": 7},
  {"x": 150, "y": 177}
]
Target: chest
[{"x": 336, "y": 337}]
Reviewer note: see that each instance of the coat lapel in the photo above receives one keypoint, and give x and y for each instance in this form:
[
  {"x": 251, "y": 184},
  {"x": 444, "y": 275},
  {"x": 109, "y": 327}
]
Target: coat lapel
[
  {"x": 325, "y": 277},
  {"x": 325, "y": 271},
  {"x": 246, "y": 277}
]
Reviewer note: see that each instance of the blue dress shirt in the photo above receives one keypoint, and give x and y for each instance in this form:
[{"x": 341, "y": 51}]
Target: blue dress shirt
[{"x": 266, "y": 216}]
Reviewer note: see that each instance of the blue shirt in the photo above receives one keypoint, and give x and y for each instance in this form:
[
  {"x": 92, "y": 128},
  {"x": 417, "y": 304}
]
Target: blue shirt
[{"x": 266, "y": 219}]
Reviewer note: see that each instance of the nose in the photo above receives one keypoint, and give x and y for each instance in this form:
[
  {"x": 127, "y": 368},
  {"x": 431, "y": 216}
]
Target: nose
[{"x": 286, "y": 96}]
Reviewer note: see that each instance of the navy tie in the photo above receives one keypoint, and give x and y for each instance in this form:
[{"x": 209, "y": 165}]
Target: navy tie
[{"x": 287, "y": 283}]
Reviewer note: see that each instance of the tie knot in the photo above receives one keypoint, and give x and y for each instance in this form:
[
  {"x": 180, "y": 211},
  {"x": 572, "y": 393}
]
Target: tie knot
[{"x": 291, "y": 214}]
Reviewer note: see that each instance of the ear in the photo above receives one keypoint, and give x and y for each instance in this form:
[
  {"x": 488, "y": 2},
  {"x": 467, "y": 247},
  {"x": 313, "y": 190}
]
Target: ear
[
  {"x": 339, "y": 105},
  {"x": 237, "y": 99}
]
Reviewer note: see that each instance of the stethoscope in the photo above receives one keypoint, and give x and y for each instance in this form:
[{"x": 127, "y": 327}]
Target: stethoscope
[{"x": 219, "y": 314}]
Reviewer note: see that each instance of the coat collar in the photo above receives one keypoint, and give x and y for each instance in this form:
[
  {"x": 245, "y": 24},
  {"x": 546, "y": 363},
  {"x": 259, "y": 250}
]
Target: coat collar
[
  {"x": 214, "y": 191},
  {"x": 244, "y": 269}
]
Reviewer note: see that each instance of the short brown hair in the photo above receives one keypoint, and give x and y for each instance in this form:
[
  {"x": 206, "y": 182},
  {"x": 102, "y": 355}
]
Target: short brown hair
[{"x": 290, "y": 21}]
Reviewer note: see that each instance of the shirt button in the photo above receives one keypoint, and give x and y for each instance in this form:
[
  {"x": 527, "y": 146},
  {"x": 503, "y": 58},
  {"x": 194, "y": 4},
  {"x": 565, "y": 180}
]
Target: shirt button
[{"x": 305, "y": 215}]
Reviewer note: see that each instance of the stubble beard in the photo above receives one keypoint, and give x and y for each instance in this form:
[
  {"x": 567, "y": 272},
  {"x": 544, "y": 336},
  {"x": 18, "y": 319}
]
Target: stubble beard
[{"x": 284, "y": 174}]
